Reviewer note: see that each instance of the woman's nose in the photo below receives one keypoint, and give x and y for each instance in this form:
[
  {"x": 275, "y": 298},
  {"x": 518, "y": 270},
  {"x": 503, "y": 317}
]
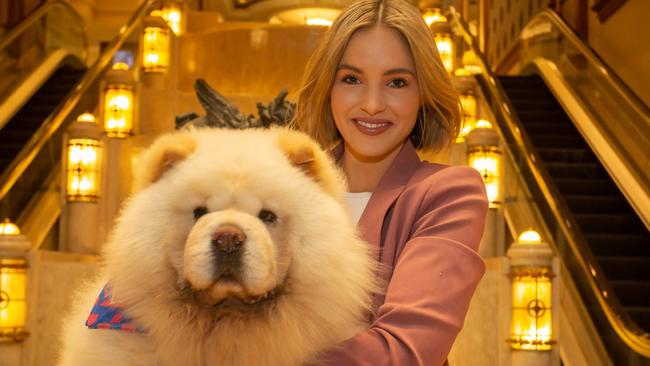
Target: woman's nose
[{"x": 373, "y": 101}]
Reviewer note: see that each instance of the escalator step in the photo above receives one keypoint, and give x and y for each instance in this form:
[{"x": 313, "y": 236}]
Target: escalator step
[
  {"x": 608, "y": 223},
  {"x": 571, "y": 186},
  {"x": 632, "y": 293},
  {"x": 557, "y": 141},
  {"x": 543, "y": 128},
  {"x": 539, "y": 105},
  {"x": 552, "y": 116},
  {"x": 556, "y": 154},
  {"x": 619, "y": 244},
  {"x": 596, "y": 204},
  {"x": 641, "y": 316},
  {"x": 522, "y": 81},
  {"x": 625, "y": 268},
  {"x": 576, "y": 170}
]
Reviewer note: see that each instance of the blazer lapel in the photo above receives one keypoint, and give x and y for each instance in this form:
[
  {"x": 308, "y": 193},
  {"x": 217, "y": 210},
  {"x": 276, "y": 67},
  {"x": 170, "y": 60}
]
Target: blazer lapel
[{"x": 389, "y": 188}]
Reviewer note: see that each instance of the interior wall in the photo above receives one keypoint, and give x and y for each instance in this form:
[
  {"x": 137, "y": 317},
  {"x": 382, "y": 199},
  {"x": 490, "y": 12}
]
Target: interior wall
[{"x": 619, "y": 42}]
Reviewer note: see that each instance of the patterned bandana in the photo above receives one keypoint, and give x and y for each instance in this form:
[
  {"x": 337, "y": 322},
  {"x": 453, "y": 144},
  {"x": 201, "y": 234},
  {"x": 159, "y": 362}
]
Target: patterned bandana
[{"x": 106, "y": 314}]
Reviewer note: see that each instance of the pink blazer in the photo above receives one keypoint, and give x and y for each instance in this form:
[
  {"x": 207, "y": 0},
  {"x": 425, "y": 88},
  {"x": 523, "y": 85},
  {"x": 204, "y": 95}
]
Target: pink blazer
[{"x": 426, "y": 221}]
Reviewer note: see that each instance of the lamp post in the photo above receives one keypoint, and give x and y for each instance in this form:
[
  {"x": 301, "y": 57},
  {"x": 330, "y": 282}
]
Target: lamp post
[
  {"x": 533, "y": 299},
  {"x": 82, "y": 178},
  {"x": 484, "y": 154},
  {"x": 13, "y": 283},
  {"x": 118, "y": 106},
  {"x": 155, "y": 45}
]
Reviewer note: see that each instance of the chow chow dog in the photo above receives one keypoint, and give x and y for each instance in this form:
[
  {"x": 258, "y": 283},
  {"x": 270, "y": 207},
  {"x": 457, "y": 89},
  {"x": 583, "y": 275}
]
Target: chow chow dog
[{"x": 235, "y": 249}]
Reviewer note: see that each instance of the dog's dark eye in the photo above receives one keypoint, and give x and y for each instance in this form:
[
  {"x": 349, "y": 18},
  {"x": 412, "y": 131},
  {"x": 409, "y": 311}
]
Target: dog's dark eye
[
  {"x": 267, "y": 216},
  {"x": 200, "y": 211}
]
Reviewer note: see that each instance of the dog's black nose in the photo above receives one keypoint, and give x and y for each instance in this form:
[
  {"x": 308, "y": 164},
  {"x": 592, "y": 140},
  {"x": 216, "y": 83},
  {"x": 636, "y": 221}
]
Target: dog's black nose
[{"x": 228, "y": 239}]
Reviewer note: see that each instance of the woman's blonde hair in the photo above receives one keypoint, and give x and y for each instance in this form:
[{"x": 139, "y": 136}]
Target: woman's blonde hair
[{"x": 439, "y": 117}]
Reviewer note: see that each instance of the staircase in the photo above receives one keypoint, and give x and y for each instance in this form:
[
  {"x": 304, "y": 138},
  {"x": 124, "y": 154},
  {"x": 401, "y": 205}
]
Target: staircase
[
  {"x": 617, "y": 237},
  {"x": 15, "y": 134}
]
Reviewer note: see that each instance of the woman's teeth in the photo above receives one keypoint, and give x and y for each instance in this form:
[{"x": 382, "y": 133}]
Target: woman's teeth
[{"x": 371, "y": 125}]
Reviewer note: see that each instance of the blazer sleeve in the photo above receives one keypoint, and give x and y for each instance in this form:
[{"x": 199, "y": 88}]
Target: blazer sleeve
[{"x": 433, "y": 279}]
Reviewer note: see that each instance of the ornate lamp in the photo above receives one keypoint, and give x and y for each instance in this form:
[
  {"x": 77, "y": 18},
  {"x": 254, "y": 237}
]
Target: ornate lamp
[
  {"x": 172, "y": 13},
  {"x": 532, "y": 293},
  {"x": 118, "y": 101},
  {"x": 13, "y": 283},
  {"x": 155, "y": 45},
  {"x": 484, "y": 154},
  {"x": 83, "y": 160}
]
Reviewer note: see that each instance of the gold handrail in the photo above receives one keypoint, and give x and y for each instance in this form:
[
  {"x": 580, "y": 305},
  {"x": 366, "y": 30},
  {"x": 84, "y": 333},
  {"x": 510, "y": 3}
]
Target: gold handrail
[
  {"x": 635, "y": 337},
  {"x": 59, "y": 116},
  {"x": 35, "y": 16}
]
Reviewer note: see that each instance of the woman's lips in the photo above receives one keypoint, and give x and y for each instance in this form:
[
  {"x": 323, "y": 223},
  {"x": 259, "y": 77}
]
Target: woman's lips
[{"x": 371, "y": 126}]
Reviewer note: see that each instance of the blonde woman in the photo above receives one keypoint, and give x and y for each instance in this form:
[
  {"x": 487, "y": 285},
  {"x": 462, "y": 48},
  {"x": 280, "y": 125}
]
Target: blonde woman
[{"x": 376, "y": 90}]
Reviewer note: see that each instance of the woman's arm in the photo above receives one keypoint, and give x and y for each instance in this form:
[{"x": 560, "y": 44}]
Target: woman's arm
[{"x": 433, "y": 280}]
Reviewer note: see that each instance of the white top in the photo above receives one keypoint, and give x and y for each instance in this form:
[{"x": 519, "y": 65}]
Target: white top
[{"x": 357, "y": 202}]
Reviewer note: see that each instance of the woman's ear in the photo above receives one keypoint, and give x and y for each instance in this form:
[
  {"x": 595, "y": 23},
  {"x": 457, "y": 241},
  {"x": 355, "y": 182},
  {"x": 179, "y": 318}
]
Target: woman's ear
[
  {"x": 305, "y": 154},
  {"x": 160, "y": 157}
]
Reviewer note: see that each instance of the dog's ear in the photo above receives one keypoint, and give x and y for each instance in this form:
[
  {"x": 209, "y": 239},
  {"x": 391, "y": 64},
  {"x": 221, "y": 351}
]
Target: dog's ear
[
  {"x": 161, "y": 156},
  {"x": 306, "y": 154}
]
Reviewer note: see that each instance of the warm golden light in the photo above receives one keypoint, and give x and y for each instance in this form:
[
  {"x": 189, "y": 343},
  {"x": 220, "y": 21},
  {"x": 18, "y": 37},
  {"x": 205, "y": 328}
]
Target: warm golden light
[
  {"x": 530, "y": 237},
  {"x": 434, "y": 16},
  {"x": 446, "y": 50},
  {"x": 155, "y": 49},
  {"x": 172, "y": 15},
  {"x": 318, "y": 22},
  {"x": 471, "y": 62},
  {"x": 9, "y": 228},
  {"x": 13, "y": 275},
  {"x": 118, "y": 110},
  {"x": 483, "y": 123},
  {"x": 468, "y": 104},
  {"x": 86, "y": 117},
  {"x": 487, "y": 161},
  {"x": 83, "y": 169},
  {"x": 531, "y": 309},
  {"x": 120, "y": 66}
]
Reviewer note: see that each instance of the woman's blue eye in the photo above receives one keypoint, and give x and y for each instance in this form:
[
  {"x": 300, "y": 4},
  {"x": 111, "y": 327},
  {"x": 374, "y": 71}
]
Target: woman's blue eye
[
  {"x": 397, "y": 83},
  {"x": 350, "y": 80}
]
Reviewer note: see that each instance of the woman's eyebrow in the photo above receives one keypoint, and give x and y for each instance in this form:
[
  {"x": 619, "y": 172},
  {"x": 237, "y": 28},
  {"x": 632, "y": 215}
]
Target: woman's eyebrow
[{"x": 399, "y": 70}]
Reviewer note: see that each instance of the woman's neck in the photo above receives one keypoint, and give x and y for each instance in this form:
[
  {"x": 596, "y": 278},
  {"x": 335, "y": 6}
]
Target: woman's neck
[{"x": 364, "y": 175}]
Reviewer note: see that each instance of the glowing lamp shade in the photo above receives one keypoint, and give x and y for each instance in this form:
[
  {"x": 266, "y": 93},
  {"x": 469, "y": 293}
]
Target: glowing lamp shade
[
  {"x": 319, "y": 22},
  {"x": 155, "y": 48},
  {"x": 434, "y": 15},
  {"x": 9, "y": 228},
  {"x": 446, "y": 50},
  {"x": 530, "y": 237},
  {"x": 487, "y": 161},
  {"x": 531, "y": 309},
  {"x": 468, "y": 104},
  {"x": 83, "y": 169},
  {"x": 118, "y": 110},
  {"x": 13, "y": 307},
  {"x": 173, "y": 16}
]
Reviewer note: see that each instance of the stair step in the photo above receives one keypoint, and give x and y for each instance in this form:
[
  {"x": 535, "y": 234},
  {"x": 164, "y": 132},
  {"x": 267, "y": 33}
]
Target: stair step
[
  {"x": 576, "y": 170},
  {"x": 557, "y": 141},
  {"x": 550, "y": 116},
  {"x": 540, "y": 105},
  {"x": 609, "y": 223},
  {"x": 543, "y": 128},
  {"x": 576, "y": 155},
  {"x": 619, "y": 244},
  {"x": 596, "y": 204},
  {"x": 570, "y": 186},
  {"x": 640, "y": 315},
  {"x": 632, "y": 293},
  {"x": 625, "y": 268}
]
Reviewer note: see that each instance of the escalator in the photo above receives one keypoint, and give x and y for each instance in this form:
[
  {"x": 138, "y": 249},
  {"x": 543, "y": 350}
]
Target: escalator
[
  {"x": 616, "y": 236},
  {"x": 20, "y": 128}
]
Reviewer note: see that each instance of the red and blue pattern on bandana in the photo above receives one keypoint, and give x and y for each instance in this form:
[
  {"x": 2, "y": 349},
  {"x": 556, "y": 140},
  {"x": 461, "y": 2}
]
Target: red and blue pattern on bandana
[{"x": 106, "y": 314}]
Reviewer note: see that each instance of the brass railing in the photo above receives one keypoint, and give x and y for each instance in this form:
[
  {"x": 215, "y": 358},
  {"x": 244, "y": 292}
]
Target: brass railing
[{"x": 556, "y": 213}]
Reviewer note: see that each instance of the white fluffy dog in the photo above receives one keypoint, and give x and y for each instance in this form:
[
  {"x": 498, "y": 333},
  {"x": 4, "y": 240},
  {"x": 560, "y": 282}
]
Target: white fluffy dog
[{"x": 236, "y": 249}]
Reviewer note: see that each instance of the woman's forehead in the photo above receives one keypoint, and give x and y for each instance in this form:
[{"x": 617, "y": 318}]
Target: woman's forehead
[{"x": 377, "y": 48}]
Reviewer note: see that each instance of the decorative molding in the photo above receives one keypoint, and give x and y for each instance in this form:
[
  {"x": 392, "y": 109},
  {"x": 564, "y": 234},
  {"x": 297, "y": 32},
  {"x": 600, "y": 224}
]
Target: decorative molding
[{"x": 606, "y": 8}]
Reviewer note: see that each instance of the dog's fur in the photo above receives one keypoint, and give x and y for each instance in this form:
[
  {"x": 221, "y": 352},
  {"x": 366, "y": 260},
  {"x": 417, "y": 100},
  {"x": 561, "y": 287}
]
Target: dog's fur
[{"x": 164, "y": 269}]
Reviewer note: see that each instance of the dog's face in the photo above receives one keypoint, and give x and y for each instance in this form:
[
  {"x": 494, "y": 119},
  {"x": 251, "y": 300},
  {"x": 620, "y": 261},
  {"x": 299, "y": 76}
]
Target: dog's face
[{"x": 227, "y": 214}]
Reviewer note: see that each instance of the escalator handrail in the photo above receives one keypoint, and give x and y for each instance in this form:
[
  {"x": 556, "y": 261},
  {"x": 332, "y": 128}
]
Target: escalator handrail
[
  {"x": 54, "y": 121},
  {"x": 35, "y": 16},
  {"x": 512, "y": 129},
  {"x": 606, "y": 72}
]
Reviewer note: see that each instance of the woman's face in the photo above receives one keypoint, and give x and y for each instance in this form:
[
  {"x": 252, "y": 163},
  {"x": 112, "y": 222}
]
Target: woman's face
[{"x": 375, "y": 97}]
